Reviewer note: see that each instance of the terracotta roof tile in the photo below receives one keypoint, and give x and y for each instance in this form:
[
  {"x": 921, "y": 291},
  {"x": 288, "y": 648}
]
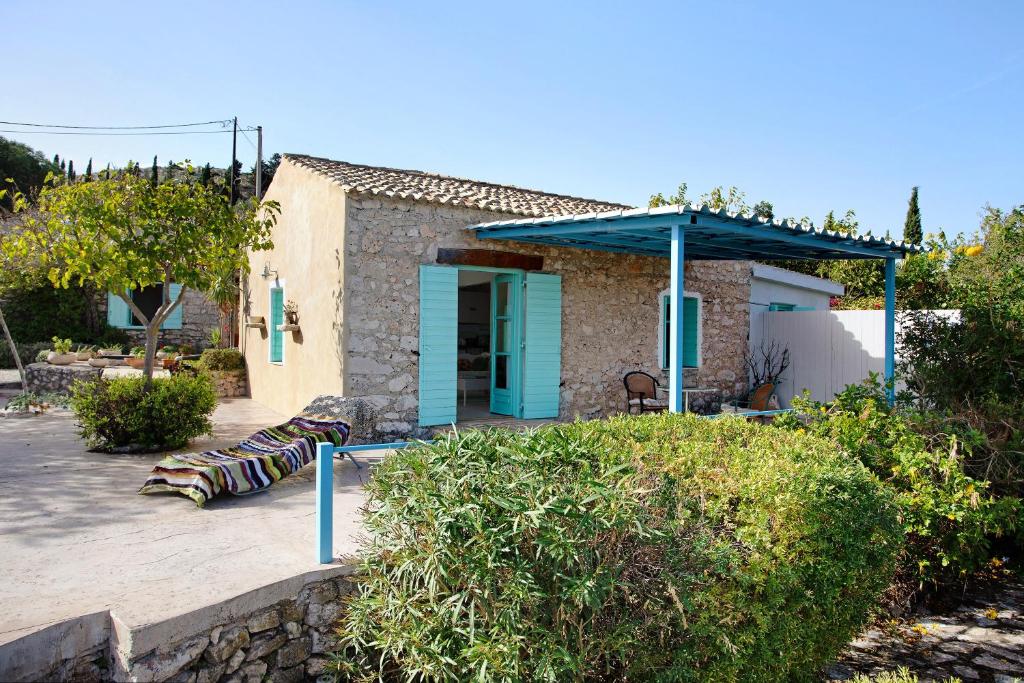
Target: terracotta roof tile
[{"x": 441, "y": 189}]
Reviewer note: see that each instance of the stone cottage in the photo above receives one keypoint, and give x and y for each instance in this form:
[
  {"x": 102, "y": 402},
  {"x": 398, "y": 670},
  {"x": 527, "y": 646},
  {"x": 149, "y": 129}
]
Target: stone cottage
[{"x": 391, "y": 298}]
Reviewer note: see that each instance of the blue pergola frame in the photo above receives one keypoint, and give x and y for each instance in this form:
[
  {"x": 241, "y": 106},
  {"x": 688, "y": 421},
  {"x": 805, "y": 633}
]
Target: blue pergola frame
[{"x": 698, "y": 233}]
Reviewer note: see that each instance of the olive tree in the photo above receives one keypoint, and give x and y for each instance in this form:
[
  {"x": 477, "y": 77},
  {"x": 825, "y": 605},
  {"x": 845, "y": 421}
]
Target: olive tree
[{"x": 122, "y": 233}]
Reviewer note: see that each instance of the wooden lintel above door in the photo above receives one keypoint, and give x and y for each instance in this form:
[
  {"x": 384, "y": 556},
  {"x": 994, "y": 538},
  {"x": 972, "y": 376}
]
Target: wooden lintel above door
[{"x": 489, "y": 258}]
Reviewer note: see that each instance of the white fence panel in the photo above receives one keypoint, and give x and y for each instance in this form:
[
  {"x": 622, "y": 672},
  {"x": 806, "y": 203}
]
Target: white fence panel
[{"x": 828, "y": 349}]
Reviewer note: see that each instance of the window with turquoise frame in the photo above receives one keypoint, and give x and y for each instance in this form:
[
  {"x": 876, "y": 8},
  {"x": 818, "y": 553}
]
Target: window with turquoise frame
[
  {"x": 693, "y": 311},
  {"x": 776, "y": 306},
  {"x": 276, "y": 320}
]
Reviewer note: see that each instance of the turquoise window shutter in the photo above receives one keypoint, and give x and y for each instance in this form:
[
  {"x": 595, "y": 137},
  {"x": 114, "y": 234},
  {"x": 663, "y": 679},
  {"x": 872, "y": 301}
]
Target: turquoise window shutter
[
  {"x": 276, "y": 318},
  {"x": 542, "y": 361},
  {"x": 691, "y": 314},
  {"x": 117, "y": 311},
  {"x": 781, "y": 307},
  {"x": 691, "y": 331},
  {"x": 439, "y": 344},
  {"x": 173, "y": 321}
]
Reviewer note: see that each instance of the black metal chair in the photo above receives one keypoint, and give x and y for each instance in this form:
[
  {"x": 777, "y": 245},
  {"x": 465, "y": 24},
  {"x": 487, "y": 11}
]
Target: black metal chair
[{"x": 642, "y": 393}]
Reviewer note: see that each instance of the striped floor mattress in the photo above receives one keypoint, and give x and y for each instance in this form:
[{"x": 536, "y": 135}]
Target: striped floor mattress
[{"x": 255, "y": 464}]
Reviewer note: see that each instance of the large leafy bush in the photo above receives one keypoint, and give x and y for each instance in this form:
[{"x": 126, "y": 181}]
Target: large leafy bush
[
  {"x": 950, "y": 517},
  {"x": 122, "y": 413},
  {"x": 222, "y": 359},
  {"x": 661, "y": 547}
]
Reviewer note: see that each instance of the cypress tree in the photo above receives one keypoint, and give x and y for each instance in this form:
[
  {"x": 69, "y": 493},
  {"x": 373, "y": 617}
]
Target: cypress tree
[
  {"x": 108, "y": 171},
  {"x": 155, "y": 175},
  {"x": 71, "y": 171},
  {"x": 63, "y": 167},
  {"x": 88, "y": 170},
  {"x": 56, "y": 160},
  {"x": 170, "y": 170},
  {"x": 204, "y": 178},
  {"x": 912, "y": 231}
]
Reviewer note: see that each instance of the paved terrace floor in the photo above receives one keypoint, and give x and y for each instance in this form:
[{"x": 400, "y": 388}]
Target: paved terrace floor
[{"x": 75, "y": 538}]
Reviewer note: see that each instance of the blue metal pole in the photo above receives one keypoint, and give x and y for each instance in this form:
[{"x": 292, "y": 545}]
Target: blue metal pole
[
  {"x": 890, "y": 328},
  {"x": 677, "y": 287},
  {"x": 324, "y": 502}
]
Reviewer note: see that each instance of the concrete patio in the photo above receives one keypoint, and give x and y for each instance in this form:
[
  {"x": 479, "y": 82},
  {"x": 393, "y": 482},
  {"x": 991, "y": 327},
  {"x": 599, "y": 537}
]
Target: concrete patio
[{"x": 75, "y": 539}]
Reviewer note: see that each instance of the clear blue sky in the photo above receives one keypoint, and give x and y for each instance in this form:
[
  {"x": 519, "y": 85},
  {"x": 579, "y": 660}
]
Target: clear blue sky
[{"x": 813, "y": 106}]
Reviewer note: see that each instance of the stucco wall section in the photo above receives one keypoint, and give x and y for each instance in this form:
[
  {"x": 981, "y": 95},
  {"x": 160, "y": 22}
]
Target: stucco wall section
[
  {"x": 308, "y": 256},
  {"x": 609, "y": 307}
]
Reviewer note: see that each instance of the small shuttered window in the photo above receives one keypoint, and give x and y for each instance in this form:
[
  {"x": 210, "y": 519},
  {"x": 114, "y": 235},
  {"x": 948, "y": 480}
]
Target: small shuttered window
[
  {"x": 276, "y": 320},
  {"x": 691, "y": 331}
]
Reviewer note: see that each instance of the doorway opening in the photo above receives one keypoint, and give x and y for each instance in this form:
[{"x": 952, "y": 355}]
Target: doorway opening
[{"x": 488, "y": 344}]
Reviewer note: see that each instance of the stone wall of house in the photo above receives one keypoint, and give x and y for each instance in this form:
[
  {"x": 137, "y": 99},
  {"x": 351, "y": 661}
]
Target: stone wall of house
[
  {"x": 199, "y": 316},
  {"x": 609, "y": 305}
]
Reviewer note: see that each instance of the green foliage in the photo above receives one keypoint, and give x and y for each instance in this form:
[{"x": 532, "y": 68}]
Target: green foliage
[
  {"x": 214, "y": 337},
  {"x": 661, "y": 547},
  {"x": 28, "y": 352},
  {"x": 138, "y": 352},
  {"x": 26, "y": 167},
  {"x": 122, "y": 413},
  {"x": 950, "y": 517},
  {"x": 123, "y": 233},
  {"x": 48, "y": 399},
  {"x": 36, "y": 311},
  {"x": 222, "y": 359},
  {"x": 901, "y": 675},
  {"x": 61, "y": 346},
  {"x": 912, "y": 231}
]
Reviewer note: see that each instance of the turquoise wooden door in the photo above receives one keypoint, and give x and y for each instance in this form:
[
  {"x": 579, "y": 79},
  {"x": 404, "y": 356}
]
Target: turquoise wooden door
[
  {"x": 439, "y": 329},
  {"x": 542, "y": 357},
  {"x": 505, "y": 344}
]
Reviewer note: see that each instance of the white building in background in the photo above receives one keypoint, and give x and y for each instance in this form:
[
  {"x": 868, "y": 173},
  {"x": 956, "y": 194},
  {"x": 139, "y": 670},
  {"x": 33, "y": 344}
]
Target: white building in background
[{"x": 778, "y": 289}]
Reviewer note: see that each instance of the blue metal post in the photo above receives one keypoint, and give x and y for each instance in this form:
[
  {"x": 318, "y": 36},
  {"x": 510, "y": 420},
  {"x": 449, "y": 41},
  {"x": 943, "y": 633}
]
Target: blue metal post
[
  {"x": 677, "y": 287},
  {"x": 324, "y": 502},
  {"x": 890, "y": 328}
]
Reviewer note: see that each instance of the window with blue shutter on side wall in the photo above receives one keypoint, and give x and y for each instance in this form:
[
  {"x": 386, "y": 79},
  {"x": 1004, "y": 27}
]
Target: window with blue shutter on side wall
[
  {"x": 148, "y": 299},
  {"x": 276, "y": 319},
  {"x": 692, "y": 313}
]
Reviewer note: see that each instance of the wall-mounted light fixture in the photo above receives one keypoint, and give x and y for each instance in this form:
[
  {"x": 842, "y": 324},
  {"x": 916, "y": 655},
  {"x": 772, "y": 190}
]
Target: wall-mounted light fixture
[{"x": 267, "y": 271}]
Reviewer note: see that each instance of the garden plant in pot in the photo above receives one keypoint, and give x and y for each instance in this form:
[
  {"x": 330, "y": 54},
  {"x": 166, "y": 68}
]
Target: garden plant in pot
[
  {"x": 85, "y": 352},
  {"x": 110, "y": 351},
  {"x": 61, "y": 354},
  {"x": 137, "y": 359},
  {"x": 167, "y": 351}
]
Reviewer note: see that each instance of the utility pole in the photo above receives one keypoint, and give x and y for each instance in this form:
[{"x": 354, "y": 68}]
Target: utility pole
[
  {"x": 259, "y": 163},
  {"x": 234, "y": 156}
]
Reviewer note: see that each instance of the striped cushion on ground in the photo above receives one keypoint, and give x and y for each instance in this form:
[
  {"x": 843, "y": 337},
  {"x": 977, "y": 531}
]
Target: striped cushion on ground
[{"x": 267, "y": 456}]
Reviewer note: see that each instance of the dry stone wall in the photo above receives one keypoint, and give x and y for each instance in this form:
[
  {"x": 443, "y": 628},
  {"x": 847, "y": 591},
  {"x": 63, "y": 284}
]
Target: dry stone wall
[
  {"x": 609, "y": 305},
  {"x": 286, "y": 643}
]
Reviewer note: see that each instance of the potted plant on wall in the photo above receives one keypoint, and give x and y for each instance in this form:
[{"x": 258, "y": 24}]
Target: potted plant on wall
[
  {"x": 85, "y": 352},
  {"x": 291, "y": 317},
  {"x": 61, "y": 354}
]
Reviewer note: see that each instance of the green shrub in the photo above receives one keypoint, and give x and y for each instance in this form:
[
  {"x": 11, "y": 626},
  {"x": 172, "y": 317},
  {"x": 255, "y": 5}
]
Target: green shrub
[
  {"x": 950, "y": 517},
  {"x": 29, "y": 353},
  {"x": 121, "y": 414},
  {"x": 61, "y": 346},
  {"x": 222, "y": 359},
  {"x": 661, "y": 547}
]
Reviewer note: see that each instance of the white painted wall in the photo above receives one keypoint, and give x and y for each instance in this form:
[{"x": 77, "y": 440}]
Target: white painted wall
[
  {"x": 769, "y": 285},
  {"x": 828, "y": 349}
]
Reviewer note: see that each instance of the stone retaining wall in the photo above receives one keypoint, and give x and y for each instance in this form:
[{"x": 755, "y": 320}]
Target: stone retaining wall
[
  {"x": 230, "y": 383},
  {"x": 43, "y": 377},
  {"x": 281, "y": 633},
  {"x": 285, "y": 643}
]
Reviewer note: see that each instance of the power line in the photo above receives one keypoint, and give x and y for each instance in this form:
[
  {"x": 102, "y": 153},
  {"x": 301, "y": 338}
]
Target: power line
[
  {"x": 242, "y": 131},
  {"x": 70, "y": 132},
  {"x": 170, "y": 125}
]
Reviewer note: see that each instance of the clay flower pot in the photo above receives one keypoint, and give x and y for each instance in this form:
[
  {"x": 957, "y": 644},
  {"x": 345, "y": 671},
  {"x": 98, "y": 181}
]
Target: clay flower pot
[
  {"x": 55, "y": 358},
  {"x": 83, "y": 355},
  {"x": 99, "y": 362},
  {"x": 137, "y": 363}
]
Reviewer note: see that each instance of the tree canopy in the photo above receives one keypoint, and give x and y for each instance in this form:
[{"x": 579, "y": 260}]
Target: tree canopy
[
  {"x": 912, "y": 231},
  {"x": 25, "y": 167},
  {"x": 121, "y": 233}
]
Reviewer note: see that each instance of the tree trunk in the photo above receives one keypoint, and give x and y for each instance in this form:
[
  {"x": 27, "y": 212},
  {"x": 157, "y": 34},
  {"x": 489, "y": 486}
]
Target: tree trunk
[
  {"x": 14, "y": 352},
  {"x": 152, "y": 339}
]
